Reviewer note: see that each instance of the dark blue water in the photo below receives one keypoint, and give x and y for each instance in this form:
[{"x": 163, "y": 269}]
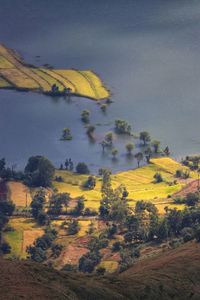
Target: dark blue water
[{"x": 148, "y": 53}]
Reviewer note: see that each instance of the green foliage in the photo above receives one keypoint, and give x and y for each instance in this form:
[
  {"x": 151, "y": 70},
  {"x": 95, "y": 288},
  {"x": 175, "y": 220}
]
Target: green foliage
[
  {"x": 73, "y": 227},
  {"x": 139, "y": 156},
  {"x": 129, "y": 148},
  {"x": 158, "y": 177},
  {"x": 39, "y": 171},
  {"x": 82, "y": 168},
  {"x": 122, "y": 127},
  {"x": 90, "y": 183},
  {"x": 145, "y": 137},
  {"x": 88, "y": 262},
  {"x": 37, "y": 204},
  {"x": 85, "y": 116},
  {"x": 58, "y": 202},
  {"x": 66, "y": 135},
  {"x": 156, "y": 146}
]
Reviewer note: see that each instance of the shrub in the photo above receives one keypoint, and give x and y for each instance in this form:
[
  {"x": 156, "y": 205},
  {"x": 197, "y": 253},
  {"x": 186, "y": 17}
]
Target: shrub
[{"x": 82, "y": 168}]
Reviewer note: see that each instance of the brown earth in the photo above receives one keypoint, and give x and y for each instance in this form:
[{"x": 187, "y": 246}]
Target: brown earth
[
  {"x": 191, "y": 187},
  {"x": 174, "y": 274}
]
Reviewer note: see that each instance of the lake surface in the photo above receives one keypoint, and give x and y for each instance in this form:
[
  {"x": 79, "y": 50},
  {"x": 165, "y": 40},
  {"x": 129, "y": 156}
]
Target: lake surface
[{"x": 147, "y": 52}]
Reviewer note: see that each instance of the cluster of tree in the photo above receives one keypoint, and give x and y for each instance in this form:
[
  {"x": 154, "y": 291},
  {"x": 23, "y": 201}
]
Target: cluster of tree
[
  {"x": 58, "y": 203},
  {"x": 7, "y": 173},
  {"x": 113, "y": 205},
  {"x": 191, "y": 199},
  {"x": 68, "y": 165},
  {"x": 6, "y": 210},
  {"x": 43, "y": 245},
  {"x": 184, "y": 174},
  {"x": 56, "y": 92},
  {"x": 192, "y": 162},
  {"x": 38, "y": 208},
  {"x": 90, "y": 183},
  {"x": 122, "y": 127}
]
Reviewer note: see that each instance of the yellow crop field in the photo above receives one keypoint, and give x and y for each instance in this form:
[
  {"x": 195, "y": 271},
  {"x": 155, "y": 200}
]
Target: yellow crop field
[
  {"x": 110, "y": 265},
  {"x": 19, "y": 194},
  {"x": 139, "y": 183},
  {"x": 24, "y": 234},
  {"x": 22, "y": 76}
]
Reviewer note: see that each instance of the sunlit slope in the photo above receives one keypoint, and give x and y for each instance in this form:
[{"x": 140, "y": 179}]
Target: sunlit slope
[
  {"x": 139, "y": 183},
  {"x": 14, "y": 73}
]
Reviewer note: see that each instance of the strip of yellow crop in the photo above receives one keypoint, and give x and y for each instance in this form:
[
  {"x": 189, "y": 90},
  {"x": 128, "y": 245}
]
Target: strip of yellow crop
[
  {"x": 4, "y": 83},
  {"x": 60, "y": 79},
  {"x": 82, "y": 85},
  {"x": 48, "y": 78},
  {"x": 18, "y": 79},
  {"x": 101, "y": 90},
  {"x": 4, "y": 63}
]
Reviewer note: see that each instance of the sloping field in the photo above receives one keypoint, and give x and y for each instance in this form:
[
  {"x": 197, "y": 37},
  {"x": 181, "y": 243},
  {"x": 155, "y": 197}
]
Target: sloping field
[
  {"x": 139, "y": 183},
  {"x": 24, "y": 234},
  {"x": 14, "y": 73},
  {"x": 19, "y": 194}
]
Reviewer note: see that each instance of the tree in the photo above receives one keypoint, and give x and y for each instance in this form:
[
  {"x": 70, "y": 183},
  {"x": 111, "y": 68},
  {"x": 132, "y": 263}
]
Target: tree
[
  {"x": 114, "y": 152},
  {"x": 122, "y": 127},
  {"x": 145, "y": 137},
  {"x": 90, "y": 183},
  {"x": 73, "y": 227},
  {"x": 158, "y": 177},
  {"x": 129, "y": 148},
  {"x": 82, "y": 168},
  {"x": 88, "y": 261},
  {"x": 57, "y": 202},
  {"x": 90, "y": 130},
  {"x": 192, "y": 199},
  {"x": 42, "y": 218},
  {"x": 79, "y": 208},
  {"x": 103, "y": 107},
  {"x": 156, "y": 146},
  {"x": 104, "y": 144},
  {"x": 66, "y": 135},
  {"x": 139, "y": 157},
  {"x": 37, "y": 203},
  {"x": 39, "y": 171},
  {"x": 85, "y": 116},
  {"x": 109, "y": 138}
]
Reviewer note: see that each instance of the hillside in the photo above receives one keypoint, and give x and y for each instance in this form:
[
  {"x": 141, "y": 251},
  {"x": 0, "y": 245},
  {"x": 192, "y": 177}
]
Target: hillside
[
  {"x": 175, "y": 274},
  {"x": 15, "y": 73}
]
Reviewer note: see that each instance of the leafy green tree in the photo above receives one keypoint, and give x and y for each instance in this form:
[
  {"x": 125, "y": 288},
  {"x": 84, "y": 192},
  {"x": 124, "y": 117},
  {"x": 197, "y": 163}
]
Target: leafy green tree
[
  {"x": 73, "y": 227},
  {"x": 114, "y": 152},
  {"x": 89, "y": 261},
  {"x": 82, "y": 168},
  {"x": 42, "y": 218},
  {"x": 145, "y": 137},
  {"x": 37, "y": 204},
  {"x": 156, "y": 146},
  {"x": 109, "y": 138},
  {"x": 85, "y": 116},
  {"x": 79, "y": 208},
  {"x": 192, "y": 199},
  {"x": 158, "y": 177},
  {"x": 58, "y": 202},
  {"x": 122, "y": 127},
  {"x": 39, "y": 171},
  {"x": 90, "y": 183},
  {"x": 139, "y": 156},
  {"x": 66, "y": 134},
  {"x": 129, "y": 148}
]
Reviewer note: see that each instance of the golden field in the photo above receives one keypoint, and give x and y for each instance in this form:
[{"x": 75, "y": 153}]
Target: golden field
[
  {"x": 14, "y": 73},
  {"x": 139, "y": 183},
  {"x": 19, "y": 194}
]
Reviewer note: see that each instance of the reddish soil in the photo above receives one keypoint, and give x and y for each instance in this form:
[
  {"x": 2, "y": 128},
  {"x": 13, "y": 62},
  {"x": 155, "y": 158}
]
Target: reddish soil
[{"x": 191, "y": 187}]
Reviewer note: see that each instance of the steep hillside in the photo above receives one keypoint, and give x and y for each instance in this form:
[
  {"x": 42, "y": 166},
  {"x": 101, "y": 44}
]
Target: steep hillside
[{"x": 173, "y": 275}]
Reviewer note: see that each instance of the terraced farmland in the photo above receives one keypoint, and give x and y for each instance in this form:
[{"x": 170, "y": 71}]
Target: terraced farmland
[{"x": 15, "y": 74}]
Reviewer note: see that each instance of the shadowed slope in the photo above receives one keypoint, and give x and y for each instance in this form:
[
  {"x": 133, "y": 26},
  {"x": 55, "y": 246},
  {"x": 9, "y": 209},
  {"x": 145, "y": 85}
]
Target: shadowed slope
[{"x": 173, "y": 275}]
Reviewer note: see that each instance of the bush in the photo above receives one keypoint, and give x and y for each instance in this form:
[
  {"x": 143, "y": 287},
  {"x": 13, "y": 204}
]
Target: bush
[
  {"x": 82, "y": 168},
  {"x": 5, "y": 248},
  {"x": 116, "y": 246},
  {"x": 158, "y": 178},
  {"x": 73, "y": 227},
  {"x": 188, "y": 234},
  {"x": 90, "y": 183}
]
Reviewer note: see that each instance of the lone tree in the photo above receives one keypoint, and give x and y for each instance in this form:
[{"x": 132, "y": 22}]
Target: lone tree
[
  {"x": 90, "y": 130},
  {"x": 109, "y": 138},
  {"x": 114, "y": 153},
  {"x": 145, "y": 137},
  {"x": 82, "y": 168},
  {"x": 129, "y": 148},
  {"x": 139, "y": 156},
  {"x": 122, "y": 127},
  {"x": 39, "y": 171},
  {"x": 85, "y": 116},
  {"x": 66, "y": 135}
]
